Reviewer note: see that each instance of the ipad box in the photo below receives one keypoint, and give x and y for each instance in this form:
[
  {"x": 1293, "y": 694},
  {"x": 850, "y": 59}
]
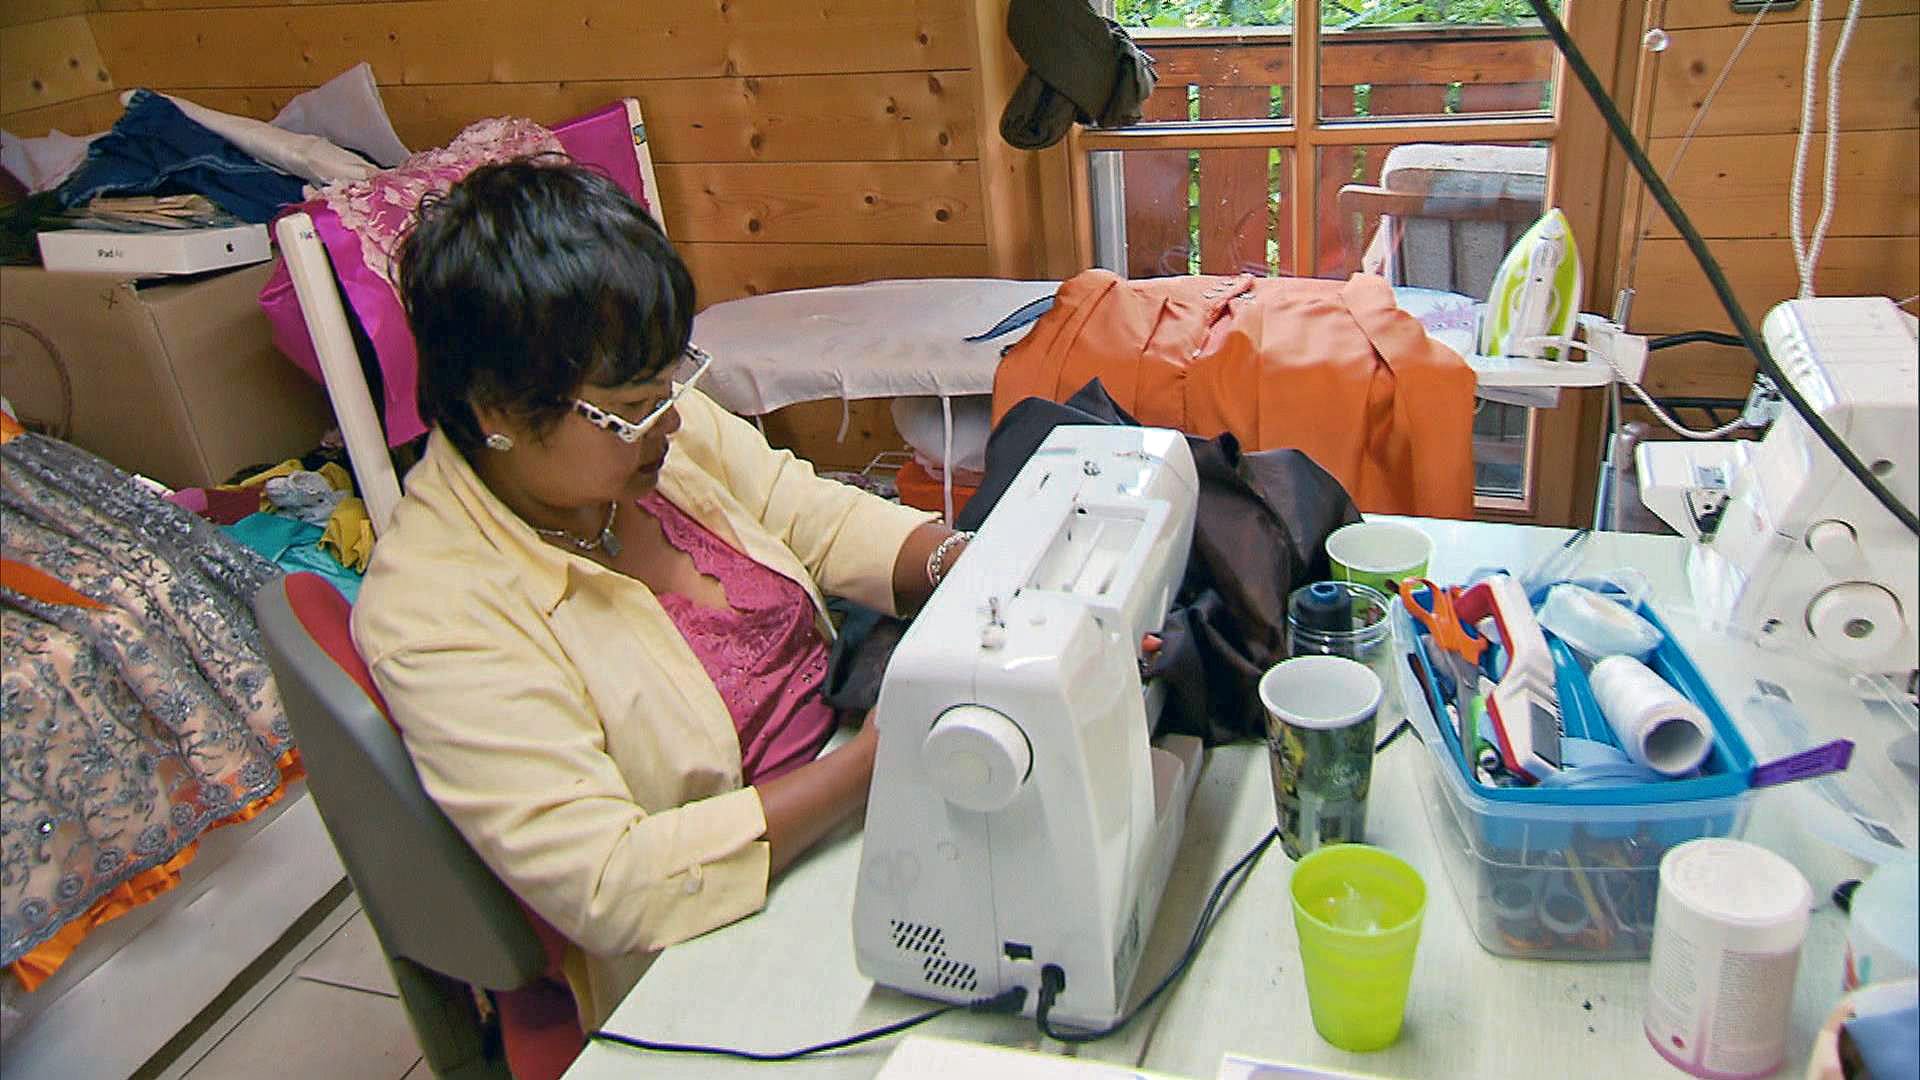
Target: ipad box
[{"x": 165, "y": 251}]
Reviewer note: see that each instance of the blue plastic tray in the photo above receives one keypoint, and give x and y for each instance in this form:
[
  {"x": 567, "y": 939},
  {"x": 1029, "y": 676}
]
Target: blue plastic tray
[{"x": 1668, "y": 812}]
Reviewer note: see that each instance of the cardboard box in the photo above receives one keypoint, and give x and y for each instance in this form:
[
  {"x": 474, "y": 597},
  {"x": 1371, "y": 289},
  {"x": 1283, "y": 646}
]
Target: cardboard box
[
  {"x": 177, "y": 251},
  {"x": 176, "y": 379}
]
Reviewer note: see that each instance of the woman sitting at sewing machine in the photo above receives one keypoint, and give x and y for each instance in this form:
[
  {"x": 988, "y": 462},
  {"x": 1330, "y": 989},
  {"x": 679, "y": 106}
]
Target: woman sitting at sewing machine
[{"x": 597, "y": 615}]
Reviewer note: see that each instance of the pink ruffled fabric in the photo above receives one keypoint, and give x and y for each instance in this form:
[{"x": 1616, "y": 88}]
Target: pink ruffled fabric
[
  {"x": 605, "y": 140},
  {"x": 380, "y": 208},
  {"x": 762, "y": 652}
]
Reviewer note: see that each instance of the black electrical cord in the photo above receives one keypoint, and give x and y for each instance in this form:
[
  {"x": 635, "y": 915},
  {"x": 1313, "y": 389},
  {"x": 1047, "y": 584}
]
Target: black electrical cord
[
  {"x": 1053, "y": 979},
  {"x": 1010, "y": 1001},
  {"x": 1693, "y": 337},
  {"x": 1657, "y": 187},
  {"x": 1398, "y": 730}
]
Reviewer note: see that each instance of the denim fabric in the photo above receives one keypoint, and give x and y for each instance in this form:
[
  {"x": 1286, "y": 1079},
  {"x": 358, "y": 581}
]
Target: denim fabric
[{"x": 154, "y": 149}]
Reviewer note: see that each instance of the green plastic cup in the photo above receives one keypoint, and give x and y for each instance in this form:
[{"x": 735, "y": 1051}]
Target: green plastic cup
[
  {"x": 1357, "y": 911},
  {"x": 1378, "y": 554}
]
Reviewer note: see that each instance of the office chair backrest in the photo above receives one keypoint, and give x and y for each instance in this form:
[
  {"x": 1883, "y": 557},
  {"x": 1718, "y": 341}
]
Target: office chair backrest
[
  {"x": 446, "y": 924},
  {"x": 430, "y": 898}
]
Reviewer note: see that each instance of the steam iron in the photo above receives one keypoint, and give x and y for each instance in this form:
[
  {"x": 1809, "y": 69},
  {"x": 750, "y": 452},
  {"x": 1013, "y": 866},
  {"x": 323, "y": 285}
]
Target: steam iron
[{"x": 1536, "y": 293}]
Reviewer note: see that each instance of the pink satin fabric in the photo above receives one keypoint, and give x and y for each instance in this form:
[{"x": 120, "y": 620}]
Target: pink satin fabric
[{"x": 360, "y": 225}]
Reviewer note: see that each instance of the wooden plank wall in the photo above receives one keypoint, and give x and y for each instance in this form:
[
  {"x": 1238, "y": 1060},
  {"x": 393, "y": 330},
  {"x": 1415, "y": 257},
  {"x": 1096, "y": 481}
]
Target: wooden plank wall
[
  {"x": 1735, "y": 176},
  {"x": 796, "y": 144}
]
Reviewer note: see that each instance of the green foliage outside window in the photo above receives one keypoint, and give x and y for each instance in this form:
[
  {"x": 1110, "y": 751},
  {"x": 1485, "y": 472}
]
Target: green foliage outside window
[{"x": 1334, "y": 14}]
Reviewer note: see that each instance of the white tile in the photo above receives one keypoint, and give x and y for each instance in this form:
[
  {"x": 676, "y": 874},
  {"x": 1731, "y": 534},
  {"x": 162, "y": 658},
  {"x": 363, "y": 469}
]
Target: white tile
[
  {"x": 351, "y": 959},
  {"x": 242, "y": 1001},
  {"x": 309, "y": 1030}
]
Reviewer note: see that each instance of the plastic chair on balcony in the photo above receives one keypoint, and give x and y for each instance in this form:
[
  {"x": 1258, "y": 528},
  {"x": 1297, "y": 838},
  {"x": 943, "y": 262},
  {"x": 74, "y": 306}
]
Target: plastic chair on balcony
[
  {"x": 1448, "y": 214},
  {"x": 447, "y": 926}
]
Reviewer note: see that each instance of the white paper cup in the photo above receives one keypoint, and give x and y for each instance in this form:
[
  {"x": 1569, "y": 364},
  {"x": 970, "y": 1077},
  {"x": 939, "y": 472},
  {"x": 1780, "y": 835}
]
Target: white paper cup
[{"x": 1320, "y": 730}]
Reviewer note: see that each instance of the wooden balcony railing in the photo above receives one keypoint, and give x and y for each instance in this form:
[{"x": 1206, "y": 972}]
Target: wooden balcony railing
[{"x": 1234, "y": 204}]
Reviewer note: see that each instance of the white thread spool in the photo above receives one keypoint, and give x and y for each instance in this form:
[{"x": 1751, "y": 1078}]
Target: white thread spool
[
  {"x": 1727, "y": 933},
  {"x": 1656, "y": 725}
]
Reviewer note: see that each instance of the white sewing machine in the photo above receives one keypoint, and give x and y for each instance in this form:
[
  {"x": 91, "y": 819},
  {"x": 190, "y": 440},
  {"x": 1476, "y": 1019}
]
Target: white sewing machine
[
  {"x": 1790, "y": 547},
  {"x": 1019, "y": 817}
]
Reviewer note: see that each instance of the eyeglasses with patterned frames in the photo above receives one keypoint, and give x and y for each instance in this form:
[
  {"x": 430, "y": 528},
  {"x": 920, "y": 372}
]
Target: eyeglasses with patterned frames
[{"x": 631, "y": 431}]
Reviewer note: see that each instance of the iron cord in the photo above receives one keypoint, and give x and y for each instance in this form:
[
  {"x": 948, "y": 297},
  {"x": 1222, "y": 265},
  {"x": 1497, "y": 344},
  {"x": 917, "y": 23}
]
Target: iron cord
[
  {"x": 1693, "y": 337},
  {"x": 1657, "y": 187}
]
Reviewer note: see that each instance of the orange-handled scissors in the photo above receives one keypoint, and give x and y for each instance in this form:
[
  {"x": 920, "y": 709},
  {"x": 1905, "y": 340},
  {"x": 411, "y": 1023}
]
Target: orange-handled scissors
[
  {"x": 1459, "y": 645},
  {"x": 1441, "y": 620}
]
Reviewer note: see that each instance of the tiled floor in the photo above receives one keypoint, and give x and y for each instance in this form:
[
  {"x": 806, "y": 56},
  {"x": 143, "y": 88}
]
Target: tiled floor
[{"x": 326, "y": 1009}]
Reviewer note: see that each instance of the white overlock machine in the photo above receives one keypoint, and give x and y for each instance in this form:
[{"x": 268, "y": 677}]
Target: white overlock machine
[{"x": 1790, "y": 547}]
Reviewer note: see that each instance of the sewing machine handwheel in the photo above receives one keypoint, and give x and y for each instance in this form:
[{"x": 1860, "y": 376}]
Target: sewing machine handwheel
[{"x": 976, "y": 758}]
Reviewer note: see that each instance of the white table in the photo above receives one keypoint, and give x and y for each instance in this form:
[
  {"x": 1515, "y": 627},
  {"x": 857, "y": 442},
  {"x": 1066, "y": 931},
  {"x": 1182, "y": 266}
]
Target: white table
[{"x": 786, "y": 977}]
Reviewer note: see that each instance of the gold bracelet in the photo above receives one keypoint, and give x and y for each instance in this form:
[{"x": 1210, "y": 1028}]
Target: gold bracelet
[{"x": 937, "y": 558}]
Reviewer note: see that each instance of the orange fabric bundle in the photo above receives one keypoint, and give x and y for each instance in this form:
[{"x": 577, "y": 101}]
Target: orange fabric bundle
[
  {"x": 922, "y": 490},
  {"x": 1331, "y": 368}
]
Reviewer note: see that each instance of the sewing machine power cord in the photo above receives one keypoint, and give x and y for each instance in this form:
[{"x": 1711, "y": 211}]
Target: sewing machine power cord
[
  {"x": 1009, "y": 1001},
  {"x": 1053, "y": 979}
]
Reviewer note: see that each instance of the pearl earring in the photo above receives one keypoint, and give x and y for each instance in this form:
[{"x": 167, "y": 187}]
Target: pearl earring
[{"x": 499, "y": 441}]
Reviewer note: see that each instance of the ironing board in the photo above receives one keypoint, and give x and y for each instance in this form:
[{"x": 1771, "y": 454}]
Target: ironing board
[
  {"x": 893, "y": 339},
  {"x": 882, "y": 339}
]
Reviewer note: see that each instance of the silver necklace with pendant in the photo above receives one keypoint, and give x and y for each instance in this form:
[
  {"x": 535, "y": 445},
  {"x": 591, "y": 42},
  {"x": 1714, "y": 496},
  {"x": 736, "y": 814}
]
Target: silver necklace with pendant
[{"x": 606, "y": 541}]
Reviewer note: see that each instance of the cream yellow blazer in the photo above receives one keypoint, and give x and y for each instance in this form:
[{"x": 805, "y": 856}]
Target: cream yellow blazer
[{"x": 558, "y": 717}]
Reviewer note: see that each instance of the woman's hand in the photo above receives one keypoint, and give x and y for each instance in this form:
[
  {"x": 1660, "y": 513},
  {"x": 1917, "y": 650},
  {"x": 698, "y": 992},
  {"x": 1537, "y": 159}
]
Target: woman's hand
[{"x": 806, "y": 804}]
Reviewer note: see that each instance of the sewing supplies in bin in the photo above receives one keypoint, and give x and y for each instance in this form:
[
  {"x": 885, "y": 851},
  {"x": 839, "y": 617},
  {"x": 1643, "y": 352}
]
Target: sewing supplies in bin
[{"x": 1544, "y": 798}]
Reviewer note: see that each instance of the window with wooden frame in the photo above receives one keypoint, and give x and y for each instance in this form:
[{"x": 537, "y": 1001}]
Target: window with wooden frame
[{"x": 1412, "y": 138}]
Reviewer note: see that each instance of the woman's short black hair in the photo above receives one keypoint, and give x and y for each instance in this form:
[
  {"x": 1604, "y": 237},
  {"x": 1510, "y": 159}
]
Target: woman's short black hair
[{"x": 530, "y": 279}]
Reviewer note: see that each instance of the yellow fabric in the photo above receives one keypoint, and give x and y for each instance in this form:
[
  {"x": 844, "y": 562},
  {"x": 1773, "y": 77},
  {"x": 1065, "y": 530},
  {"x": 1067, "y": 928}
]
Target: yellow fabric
[
  {"x": 561, "y": 721},
  {"x": 285, "y": 468},
  {"x": 349, "y": 533},
  {"x": 337, "y": 478}
]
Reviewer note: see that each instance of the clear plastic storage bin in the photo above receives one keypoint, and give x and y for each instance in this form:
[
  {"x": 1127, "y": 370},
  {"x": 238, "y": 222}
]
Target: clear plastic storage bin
[{"x": 1569, "y": 873}]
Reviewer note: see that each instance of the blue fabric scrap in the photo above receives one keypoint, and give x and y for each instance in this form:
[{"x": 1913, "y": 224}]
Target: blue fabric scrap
[
  {"x": 154, "y": 149},
  {"x": 294, "y": 545}
]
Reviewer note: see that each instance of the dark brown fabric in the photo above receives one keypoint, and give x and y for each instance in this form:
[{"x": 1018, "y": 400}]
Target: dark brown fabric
[
  {"x": 1083, "y": 67},
  {"x": 1260, "y": 530}
]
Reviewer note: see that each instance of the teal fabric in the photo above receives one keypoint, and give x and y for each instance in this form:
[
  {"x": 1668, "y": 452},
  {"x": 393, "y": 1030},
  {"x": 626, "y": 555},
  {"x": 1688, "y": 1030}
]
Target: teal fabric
[{"x": 294, "y": 546}]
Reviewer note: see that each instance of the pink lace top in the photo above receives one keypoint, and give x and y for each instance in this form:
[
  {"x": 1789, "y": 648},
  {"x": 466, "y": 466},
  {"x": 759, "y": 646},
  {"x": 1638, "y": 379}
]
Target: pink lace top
[{"x": 762, "y": 652}]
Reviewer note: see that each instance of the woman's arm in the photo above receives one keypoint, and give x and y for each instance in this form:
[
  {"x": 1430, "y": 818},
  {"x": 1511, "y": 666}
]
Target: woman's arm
[
  {"x": 505, "y": 744},
  {"x": 806, "y": 804},
  {"x": 912, "y": 583}
]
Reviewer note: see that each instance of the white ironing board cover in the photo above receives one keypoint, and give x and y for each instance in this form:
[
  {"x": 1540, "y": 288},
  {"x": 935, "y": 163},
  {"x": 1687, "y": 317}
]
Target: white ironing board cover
[
  {"x": 881, "y": 339},
  {"x": 906, "y": 338}
]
